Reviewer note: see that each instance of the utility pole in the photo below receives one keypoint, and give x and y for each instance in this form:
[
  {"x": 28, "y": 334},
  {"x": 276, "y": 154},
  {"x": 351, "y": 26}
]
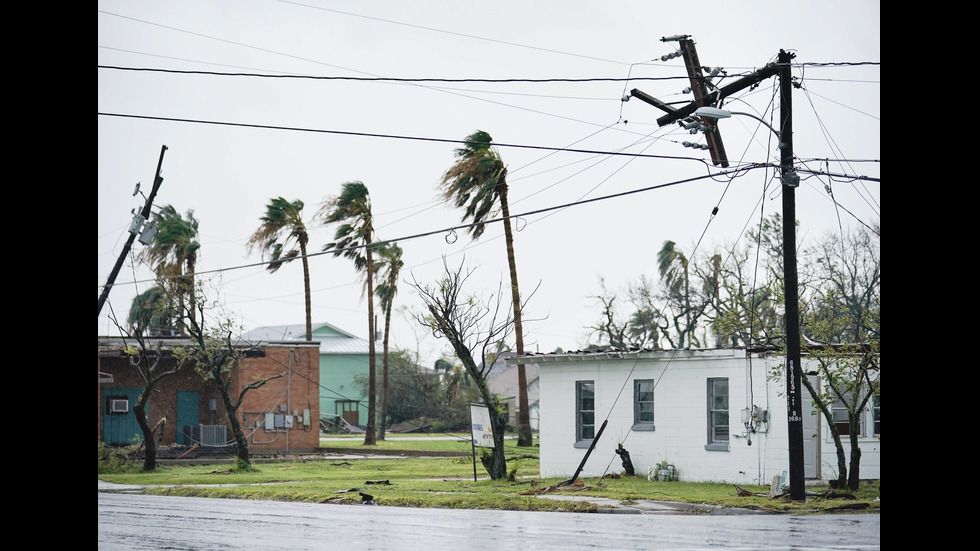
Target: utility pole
[
  {"x": 794, "y": 375},
  {"x": 790, "y": 181},
  {"x": 702, "y": 96},
  {"x": 700, "y": 90},
  {"x": 145, "y": 213}
]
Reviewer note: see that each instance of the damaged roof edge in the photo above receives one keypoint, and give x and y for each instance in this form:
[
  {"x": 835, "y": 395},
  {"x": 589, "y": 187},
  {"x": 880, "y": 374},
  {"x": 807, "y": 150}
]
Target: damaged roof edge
[{"x": 115, "y": 346}]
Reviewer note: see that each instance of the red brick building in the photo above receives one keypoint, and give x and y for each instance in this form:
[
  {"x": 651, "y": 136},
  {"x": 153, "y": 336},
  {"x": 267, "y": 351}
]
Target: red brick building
[{"x": 280, "y": 417}]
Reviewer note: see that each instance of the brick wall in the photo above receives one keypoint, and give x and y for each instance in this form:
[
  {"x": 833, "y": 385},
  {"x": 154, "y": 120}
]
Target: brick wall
[
  {"x": 295, "y": 394},
  {"x": 290, "y": 400}
]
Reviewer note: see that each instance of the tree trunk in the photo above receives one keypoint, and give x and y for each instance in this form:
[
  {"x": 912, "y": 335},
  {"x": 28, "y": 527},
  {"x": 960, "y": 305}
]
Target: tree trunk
[
  {"x": 854, "y": 478},
  {"x": 524, "y": 436},
  {"x": 498, "y": 421},
  {"x": 384, "y": 375},
  {"x": 370, "y": 434},
  {"x": 306, "y": 287},
  {"x": 834, "y": 433},
  {"x": 236, "y": 426},
  {"x": 191, "y": 291},
  {"x": 497, "y": 467},
  {"x": 149, "y": 445}
]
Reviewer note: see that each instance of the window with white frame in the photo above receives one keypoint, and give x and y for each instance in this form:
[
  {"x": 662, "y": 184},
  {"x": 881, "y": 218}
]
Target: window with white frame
[
  {"x": 876, "y": 409},
  {"x": 717, "y": 414},
  {"x": 584, "y": 410},
  {"x": 838, "y": 411},
  {"x": 643, "y": 404}
]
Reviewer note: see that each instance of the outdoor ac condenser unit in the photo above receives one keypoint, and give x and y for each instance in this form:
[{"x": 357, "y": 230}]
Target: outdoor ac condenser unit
[{"x": 213, "y": 435}]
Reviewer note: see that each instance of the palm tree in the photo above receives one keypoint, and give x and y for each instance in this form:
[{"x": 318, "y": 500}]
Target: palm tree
[
  {"x": 674, "y": 272},
  {"x": 389, "y": 264},
  {"x": 476, "y": 182},
  {"x": 282, "y": 226},
  {"x": 173, "y": 253},
  {"x": 352, "y": 209},
  {"x": 152, "y": 313}
]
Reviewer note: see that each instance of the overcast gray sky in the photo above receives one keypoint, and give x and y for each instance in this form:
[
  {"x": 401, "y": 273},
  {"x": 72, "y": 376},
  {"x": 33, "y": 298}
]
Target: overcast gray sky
[{"x": 234, "y": 140}]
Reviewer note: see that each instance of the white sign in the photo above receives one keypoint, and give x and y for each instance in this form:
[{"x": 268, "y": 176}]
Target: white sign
[{"x": 482, "y": 430}]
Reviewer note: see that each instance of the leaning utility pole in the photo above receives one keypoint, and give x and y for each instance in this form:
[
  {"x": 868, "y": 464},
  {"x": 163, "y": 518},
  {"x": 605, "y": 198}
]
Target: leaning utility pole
[
  {"x": 790, "y": 181},
  {"x": 700, "y": 90},
  {"x": 132, "y": 234}
]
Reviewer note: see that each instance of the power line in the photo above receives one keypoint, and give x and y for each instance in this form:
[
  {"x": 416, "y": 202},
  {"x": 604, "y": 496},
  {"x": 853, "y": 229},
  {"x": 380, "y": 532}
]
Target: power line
[
  {"x": 385, "y": 79},
  {"x": 499, "y": 219},
  {"x": 426, "y": 139},
  {"x": 390, "y": 136},
  {"x": 455, "y": 33}
]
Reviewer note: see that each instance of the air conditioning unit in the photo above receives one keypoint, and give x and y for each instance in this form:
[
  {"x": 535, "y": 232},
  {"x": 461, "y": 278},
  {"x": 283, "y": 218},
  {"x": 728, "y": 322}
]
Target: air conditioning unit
[
  {"x": 213, "y": 435},
  {"x": 119, "y": 405}
]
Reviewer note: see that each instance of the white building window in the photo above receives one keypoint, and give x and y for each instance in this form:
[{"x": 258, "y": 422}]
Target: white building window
[
  {"x": 643, "y": 404},
  {"x": 584, "y": 412},
  {"x": 838, "y": 412},
  {"x": 876, "y": 409},
  {"x": 717, "y": 414}
]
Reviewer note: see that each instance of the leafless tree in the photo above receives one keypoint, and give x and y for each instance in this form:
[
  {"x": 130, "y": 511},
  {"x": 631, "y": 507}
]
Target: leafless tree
[
  {"x": 216, "y": 356},
  {"x": 473, "y": 326},
  {"x": 148, "y": 363}
]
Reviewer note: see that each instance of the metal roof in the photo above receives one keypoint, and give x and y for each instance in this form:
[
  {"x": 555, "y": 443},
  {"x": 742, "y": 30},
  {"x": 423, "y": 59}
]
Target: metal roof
[{"x": 332, "y": 339}]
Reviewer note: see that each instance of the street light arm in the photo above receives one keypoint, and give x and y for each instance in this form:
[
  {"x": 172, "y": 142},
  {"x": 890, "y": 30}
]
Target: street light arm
[
  {"x": 774, "y": 131},
  {"x": 716, "y": 113}
]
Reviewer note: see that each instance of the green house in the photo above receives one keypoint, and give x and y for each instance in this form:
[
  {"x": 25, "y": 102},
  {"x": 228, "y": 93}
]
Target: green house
[{"x": 342, "y": 358}]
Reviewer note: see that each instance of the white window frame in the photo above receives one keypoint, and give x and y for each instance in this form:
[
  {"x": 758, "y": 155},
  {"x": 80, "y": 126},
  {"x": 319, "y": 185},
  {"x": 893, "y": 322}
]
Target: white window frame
[
  {"x": 718, "y": 408},
  {"x": 838, "y": 412},
  {"x": 582, "y": 414},
  {"x": 876, "y": 414},
  {"x": 643, "y": 424}
]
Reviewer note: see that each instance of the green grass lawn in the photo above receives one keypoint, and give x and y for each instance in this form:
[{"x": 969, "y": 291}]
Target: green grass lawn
[
  {"x": 448, "y": 482},
  {"x": 461, "y": 442}
]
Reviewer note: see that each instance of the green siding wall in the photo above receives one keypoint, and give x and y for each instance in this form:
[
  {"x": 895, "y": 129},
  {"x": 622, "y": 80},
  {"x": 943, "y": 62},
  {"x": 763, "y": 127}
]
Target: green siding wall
[
  {"x": 337, "y": 372},
  {"x": 120, "y": 428}
]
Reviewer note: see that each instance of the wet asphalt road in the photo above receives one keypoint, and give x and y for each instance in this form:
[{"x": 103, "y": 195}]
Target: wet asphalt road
[{"x": 138, "y": 522}]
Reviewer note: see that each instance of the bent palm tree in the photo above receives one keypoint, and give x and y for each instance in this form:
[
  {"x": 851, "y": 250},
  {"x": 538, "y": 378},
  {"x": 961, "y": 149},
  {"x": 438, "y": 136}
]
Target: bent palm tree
[
  {"x": 352, "y": 209},
  {"x": 390, "y": 264},
  {"x": 281, "y": 226},
  {"x": 152, "y": 313},
  {"x": 476, "y": 182},
  {"x": 173, "y": 254}
]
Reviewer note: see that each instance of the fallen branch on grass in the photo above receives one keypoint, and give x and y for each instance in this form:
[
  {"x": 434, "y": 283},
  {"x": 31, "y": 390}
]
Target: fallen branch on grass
[
  {"x": 577, "y": 486},
  {"x": 742, "y": 492}
]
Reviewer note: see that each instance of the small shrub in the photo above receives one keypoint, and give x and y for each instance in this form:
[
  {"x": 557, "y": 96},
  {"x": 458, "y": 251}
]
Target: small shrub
[
  {"x": 243, "y": 466},
  {"x": 113, "y": 460}
]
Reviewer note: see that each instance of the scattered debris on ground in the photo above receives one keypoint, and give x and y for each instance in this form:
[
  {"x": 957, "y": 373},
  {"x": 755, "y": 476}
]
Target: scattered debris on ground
[{"x": 576, "y": 486}]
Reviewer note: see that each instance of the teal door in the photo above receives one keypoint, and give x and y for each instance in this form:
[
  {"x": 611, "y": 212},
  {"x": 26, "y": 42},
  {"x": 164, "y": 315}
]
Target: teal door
[
  {"x": 118, "y": 420},
  {"x": 188, "y": 412}
]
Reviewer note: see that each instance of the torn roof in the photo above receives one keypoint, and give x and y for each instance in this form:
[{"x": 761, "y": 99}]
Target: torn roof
[{"x": 332, "y": 339}]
